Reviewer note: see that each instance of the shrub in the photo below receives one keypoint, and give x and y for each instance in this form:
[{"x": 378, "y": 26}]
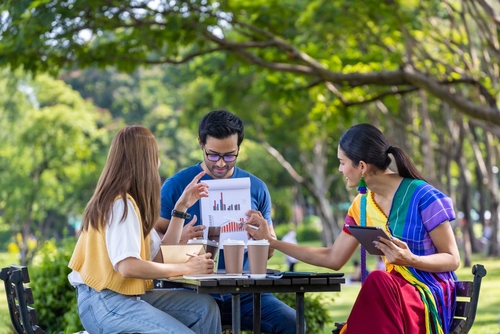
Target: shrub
[
  {"x": 55, "y": 298},
  {"x": 315, "y": 309},
  {"x": 308, "y": 233},
  {"x": 282, "y": 229}
]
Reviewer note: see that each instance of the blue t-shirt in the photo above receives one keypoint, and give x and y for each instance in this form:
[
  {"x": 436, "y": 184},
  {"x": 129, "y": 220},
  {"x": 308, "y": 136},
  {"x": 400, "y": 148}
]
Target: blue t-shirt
[{"x": 173, "y": 187}]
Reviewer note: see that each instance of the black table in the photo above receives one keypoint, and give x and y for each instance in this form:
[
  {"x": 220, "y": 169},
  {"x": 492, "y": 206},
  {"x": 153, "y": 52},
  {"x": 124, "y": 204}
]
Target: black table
[{"x": 236, "y": 286}]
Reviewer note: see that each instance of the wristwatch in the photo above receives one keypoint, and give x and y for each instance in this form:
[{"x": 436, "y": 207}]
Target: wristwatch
[{"x": 180, "y": 214}]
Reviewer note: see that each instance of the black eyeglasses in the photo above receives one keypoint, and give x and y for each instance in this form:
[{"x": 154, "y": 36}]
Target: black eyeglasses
[{"x": 213, "y": 157}]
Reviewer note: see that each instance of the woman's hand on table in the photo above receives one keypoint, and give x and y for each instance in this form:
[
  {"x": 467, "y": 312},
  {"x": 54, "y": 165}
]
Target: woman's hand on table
[{"x": 200, "y": 264}]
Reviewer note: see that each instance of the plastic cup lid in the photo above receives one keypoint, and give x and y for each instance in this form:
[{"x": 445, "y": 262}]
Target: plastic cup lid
[
  {"x": 203, "y": 242},
  {"x": 212, "y": 243},
  {"x": 197, "y": 241}
]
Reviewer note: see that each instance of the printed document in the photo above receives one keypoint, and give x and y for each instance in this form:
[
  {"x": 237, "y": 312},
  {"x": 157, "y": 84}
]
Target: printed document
[{"x": 225, "y": 207}]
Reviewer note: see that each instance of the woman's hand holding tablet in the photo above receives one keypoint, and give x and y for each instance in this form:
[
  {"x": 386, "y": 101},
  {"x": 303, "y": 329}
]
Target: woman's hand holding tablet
[{"x": 366, "y": 235}]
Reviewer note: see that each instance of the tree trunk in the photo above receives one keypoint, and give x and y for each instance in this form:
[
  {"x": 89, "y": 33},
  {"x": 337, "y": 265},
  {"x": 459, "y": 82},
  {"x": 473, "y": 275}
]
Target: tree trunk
[
  {"x": 492, "y": 160},
  {"x": 317, "y": 181},
  {"x": 465, "y": 186}
]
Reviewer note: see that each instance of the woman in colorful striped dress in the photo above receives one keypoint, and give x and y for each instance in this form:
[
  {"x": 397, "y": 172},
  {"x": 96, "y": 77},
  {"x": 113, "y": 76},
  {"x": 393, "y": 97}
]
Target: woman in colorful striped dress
[{"x": 415, "y": 294}]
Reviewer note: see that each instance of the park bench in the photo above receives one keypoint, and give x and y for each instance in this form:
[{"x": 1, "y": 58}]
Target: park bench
[
  {"x": 19, "y": 297},
  {"x": 467, "y": 298}
]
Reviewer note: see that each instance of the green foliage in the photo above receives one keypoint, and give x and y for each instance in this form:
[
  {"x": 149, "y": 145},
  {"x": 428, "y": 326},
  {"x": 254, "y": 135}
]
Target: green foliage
[
  {"x": 282, "y": 229},
  {"x": 315, "y": 306},
  {"x": 309, "y": 229},
  {"x": 307, "y": 233},
  {"x": 152, "y": 97},
  {"x": 5, "y": 237},
  {"x": 55, "y": 298},
  {"x": 50, "y": 155},
  {"x": 254, "y": 159}
]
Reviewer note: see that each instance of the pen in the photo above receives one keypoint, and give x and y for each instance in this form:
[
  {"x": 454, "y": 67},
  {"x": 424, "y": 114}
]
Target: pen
[
  {"x": 254, "y": 227},
  {"x": 241, "y": 224}
]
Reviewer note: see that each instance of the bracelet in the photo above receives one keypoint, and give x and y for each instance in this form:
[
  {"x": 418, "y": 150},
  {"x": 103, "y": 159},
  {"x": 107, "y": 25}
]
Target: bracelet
[{"x": 180, "y": 214}]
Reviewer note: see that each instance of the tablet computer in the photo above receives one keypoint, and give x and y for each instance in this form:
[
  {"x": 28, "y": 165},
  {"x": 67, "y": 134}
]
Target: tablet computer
[
  {"x": 366, "y": 235},
  {"x": 310, "y": 274}
]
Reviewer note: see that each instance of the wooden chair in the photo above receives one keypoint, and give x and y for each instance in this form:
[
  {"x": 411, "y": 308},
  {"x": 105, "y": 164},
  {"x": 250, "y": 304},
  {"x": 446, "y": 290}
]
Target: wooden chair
[
  {"x": 467, "y": 299},
  {"x": 19, "y": 296}
]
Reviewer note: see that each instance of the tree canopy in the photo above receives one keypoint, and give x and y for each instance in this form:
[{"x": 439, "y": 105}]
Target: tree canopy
[
  {"x": 359, "y": 50},
  {"x": 300, "y": 72}
]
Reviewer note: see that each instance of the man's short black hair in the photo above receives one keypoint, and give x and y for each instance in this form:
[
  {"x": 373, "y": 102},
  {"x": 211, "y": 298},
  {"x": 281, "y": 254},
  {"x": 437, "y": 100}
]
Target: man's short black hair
[{"x": 220, "y": 124}]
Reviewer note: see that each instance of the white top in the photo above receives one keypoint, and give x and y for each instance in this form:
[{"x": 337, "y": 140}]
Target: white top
[{"x": 123, "y": 239}]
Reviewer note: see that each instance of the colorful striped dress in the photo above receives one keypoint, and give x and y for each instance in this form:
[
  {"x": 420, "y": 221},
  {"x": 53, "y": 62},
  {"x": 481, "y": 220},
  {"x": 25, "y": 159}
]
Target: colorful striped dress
[{"x": 417, "y": 301}]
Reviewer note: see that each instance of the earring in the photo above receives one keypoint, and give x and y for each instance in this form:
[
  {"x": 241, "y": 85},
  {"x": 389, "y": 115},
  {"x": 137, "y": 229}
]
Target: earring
[
  {"x": 362, "y": 222},
  {"x": 362, "y": 185}
]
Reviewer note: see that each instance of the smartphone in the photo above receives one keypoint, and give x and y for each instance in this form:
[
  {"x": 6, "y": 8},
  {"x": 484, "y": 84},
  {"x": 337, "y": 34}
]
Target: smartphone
[{"x": 366, "y": 235}]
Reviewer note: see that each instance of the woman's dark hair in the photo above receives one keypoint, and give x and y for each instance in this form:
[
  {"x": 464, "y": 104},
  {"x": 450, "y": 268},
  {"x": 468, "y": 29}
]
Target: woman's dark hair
[
  {"x": 220, "y": 124},
  {"x": 364, "y": 142}
]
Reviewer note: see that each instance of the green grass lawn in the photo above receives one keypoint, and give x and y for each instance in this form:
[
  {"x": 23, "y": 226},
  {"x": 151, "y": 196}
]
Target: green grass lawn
[{"x": 487, "y": 318}]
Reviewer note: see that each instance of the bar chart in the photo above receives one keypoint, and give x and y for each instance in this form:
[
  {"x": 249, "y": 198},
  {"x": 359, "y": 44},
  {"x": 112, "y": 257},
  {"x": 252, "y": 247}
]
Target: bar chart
[
  {"x": 226, "y": 205},
  {"x": 220, "y": 205}
]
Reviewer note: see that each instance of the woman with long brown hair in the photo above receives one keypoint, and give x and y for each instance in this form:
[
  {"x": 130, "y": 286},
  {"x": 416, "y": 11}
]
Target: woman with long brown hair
[{"x": 112, "y": 261}]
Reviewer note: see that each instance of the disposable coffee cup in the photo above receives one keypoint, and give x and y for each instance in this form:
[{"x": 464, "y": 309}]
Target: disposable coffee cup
[
  {"x": 210, "y": 246},
  {"x": 233, "y": 256},
  {"x": 258, "y": 251}
]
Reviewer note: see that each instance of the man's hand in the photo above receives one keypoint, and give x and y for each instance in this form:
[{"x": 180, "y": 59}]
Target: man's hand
[
  {"x": 189, "y": 231},
  {"x": 192, "y": 193}
]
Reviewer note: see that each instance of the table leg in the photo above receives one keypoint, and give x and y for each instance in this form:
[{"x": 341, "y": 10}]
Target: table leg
[
  {"x": 236, "y": 316},
  {"x": 299, "y": 303},
  {"x": 256, "y": 313}
]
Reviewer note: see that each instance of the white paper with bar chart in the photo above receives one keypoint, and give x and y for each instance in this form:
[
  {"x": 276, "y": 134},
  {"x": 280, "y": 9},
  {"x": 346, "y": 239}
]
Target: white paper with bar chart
[{"x": 227, "y": 202}]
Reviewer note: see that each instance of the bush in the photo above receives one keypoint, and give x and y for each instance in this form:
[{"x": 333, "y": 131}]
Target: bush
[
  {"x": 308, "y": 233},
  {"x": 315, "y": 309},
  {"x": 55, "y": 298},
  {"x": 282, "y": 229}
]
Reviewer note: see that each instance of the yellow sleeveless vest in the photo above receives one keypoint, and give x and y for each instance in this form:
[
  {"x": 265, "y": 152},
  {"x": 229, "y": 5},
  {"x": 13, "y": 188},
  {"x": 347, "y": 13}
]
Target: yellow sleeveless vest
[{"x": 90, "y": 259}]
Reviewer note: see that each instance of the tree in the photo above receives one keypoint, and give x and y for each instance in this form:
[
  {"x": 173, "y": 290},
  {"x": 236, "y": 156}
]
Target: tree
[
  {"x": 50, "y": 156},
  {"x": 360, "y": 50},
  {"x": 333, "y": 61}
]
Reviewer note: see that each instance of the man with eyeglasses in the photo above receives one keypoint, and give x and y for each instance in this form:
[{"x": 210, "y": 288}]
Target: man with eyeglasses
[{"x": 220, "y": 134}]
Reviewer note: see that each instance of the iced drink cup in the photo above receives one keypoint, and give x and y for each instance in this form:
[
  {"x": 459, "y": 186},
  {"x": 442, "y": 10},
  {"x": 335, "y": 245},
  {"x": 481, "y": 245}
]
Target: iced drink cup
[
  {"x": 214, "y": 233},
  {"x": 210, "y": 246},
  {"x": 258, "y": 251},
  {"x": 233, "y": 256}
]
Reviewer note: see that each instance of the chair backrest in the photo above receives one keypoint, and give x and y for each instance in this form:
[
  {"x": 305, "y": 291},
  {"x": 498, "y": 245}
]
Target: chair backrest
[
  {"x": 467, "y": 298},
  {"x": 19, "y": 296}
]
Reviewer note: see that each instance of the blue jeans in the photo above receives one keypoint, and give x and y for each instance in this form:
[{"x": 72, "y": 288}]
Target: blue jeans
[
  {"x": 276, "y": 316},
  {"x": 158, "y": 311}
]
